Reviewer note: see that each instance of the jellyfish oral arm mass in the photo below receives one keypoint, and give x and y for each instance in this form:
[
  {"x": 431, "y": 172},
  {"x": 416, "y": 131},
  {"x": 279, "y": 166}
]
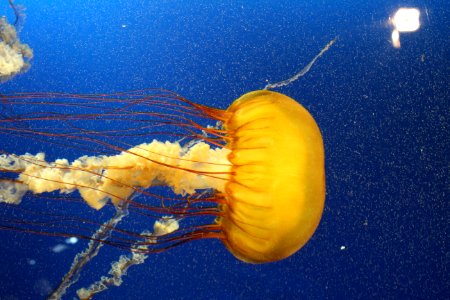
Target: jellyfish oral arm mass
[{"x": 99, "y": 178}]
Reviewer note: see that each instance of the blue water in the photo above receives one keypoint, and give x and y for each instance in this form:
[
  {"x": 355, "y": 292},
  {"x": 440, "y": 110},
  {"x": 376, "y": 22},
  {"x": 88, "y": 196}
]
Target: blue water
[{"x": 383, "y": 112}]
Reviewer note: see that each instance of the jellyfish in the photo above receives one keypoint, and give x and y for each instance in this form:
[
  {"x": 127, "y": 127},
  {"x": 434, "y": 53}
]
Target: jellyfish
[
  {"x": 265, "y": 166},
  {"x": 251, "y": 175},
  {"x": 15, "y": 56},
  {"x": 258, "y": 174}
]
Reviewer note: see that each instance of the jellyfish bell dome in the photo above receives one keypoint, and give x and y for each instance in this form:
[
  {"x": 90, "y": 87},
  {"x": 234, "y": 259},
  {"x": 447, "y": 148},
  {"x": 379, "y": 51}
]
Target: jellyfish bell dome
[{"x": 276, "y": 192}]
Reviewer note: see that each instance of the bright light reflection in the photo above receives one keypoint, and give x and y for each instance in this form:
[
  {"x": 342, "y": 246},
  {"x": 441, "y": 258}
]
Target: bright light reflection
[{"x": 404, "y": 20}]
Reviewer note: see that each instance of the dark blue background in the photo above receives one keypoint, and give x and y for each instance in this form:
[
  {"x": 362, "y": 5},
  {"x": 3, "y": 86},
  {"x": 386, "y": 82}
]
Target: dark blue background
[{"x": 383, "y": 112}]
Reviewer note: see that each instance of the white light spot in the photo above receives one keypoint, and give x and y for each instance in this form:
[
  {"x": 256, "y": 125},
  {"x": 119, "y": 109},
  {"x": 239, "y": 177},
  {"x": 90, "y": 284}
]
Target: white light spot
[
  {"x": 395, "y": 37},
  {"x": 72, "y": 240},
  {"x": 31, "y": 262},
  {"x": 343, "y": 248},
  {"x": 404, "y": 20},
  {"x": 59, "y": 248},
  {"x": 124, "y": 26}
]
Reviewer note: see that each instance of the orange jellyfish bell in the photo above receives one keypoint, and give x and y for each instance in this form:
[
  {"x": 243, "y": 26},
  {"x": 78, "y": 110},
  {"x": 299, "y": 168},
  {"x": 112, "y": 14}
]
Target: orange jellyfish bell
[{"x": 276, "y": 192}]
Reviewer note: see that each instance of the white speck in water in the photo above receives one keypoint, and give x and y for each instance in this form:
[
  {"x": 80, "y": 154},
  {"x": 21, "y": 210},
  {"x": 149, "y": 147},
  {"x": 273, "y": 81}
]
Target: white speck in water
[
  {"x": 59, "y": 248},
  {"x": 72, "y": 240}
]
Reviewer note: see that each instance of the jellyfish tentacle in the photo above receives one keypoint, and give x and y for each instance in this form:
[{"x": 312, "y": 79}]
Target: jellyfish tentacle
[
  {"x": 82, "y": 258},
  {"x": 302, "y": 72}
]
